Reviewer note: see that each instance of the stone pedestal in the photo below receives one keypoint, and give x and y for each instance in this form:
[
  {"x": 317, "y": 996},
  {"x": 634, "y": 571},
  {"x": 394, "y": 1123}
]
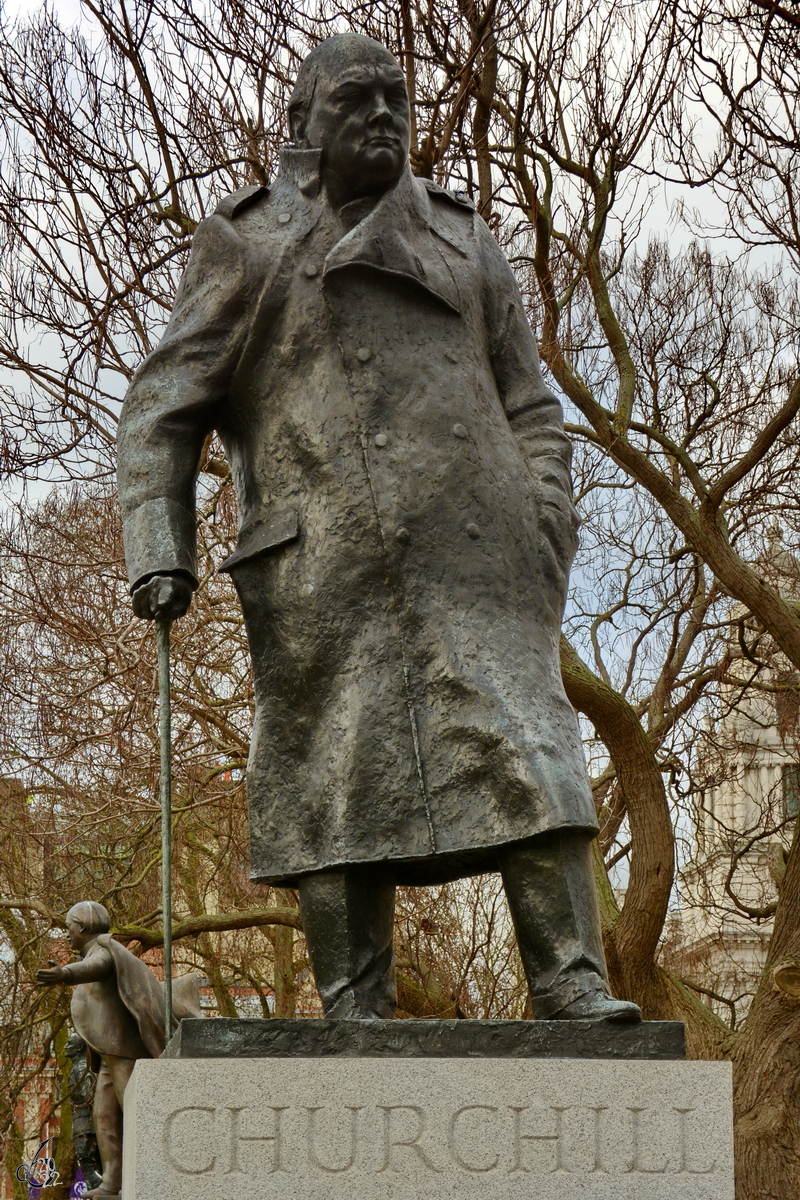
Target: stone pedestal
[{"x": 369, "y": 1113}]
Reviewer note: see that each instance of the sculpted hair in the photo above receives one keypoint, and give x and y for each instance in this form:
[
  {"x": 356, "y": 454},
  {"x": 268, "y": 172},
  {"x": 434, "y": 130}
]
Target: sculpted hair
[
  {"x": 333, "y": 53},
  {"x": 94, "y": 917}
]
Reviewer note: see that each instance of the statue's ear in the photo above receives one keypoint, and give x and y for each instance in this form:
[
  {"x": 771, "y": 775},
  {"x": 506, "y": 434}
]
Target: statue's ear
[{"x": 297, "y": 128}]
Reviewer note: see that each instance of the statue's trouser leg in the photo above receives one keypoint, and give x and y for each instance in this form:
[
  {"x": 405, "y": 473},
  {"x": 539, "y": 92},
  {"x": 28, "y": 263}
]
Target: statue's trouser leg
[
  {"x": 120, "y": 1070},
  {"x": 112, "y": 1080},
  {"x": 88, "y": 1156},
  {"x": 348, "y": 920},
  {"x": 112, "y": 1077},
  {"x": 551, "y": 893}
]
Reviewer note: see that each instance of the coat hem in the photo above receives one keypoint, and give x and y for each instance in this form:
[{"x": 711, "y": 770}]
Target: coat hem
[{"x": 425, "y": 869}]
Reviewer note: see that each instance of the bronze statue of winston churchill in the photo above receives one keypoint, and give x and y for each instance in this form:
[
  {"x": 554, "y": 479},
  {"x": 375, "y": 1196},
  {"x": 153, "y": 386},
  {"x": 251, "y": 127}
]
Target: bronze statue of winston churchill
[{"x": 357, "y": 339}]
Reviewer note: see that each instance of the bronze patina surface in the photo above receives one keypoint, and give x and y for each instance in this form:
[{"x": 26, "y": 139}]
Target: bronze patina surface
[
  {"x": 118, "y": 1009},
  {"x": 357, "y": 339}
]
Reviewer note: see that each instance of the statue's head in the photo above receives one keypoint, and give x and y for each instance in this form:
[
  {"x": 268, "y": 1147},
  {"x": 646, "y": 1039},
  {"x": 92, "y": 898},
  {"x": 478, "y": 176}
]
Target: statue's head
[
  {"x": 75, "y": 1046},
  {"x": 350, "y": 101},
  {"x": 85, "y": 920}
]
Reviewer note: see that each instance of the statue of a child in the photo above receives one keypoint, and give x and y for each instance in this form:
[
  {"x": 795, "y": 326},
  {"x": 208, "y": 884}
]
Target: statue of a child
[{"x": 118, "y": 1009}]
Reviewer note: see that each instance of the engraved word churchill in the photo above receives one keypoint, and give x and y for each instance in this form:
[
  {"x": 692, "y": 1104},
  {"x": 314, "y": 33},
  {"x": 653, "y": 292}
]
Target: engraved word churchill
[{"x": 474, "y": 1139}]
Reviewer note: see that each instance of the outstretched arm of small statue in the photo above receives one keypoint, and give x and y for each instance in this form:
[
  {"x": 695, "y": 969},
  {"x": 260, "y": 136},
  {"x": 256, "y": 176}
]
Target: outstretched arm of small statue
[
  {"x": 51, "y": 975},
  {"x": 88, "y": 970}
]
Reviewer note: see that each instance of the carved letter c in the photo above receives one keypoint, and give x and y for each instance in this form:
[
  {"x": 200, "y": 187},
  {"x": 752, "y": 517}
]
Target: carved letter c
[
  {"x": 166, "y": 1146},
  {"x": 451, "y": 1140}
]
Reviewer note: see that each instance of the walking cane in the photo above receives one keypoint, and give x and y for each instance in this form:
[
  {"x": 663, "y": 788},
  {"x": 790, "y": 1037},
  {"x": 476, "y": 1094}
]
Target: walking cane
[{"x": 165, "y": 742}]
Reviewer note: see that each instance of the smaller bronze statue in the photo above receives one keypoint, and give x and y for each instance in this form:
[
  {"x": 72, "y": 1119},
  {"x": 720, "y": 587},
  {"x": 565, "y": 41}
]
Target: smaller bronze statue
[
  {"x": 81, "y": 1094},
  {"x": 118, "y": 1009}
]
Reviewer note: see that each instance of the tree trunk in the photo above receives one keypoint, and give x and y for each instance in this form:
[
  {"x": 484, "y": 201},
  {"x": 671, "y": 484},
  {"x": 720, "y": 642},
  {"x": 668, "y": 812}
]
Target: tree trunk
[
  {"x": 219, "y": 985},
  {"x": 283, "y": 979},
  {"x": 766, "y": 1061},
  {"x": 632, "y": 939},
  {"x": 766, "y": 1053}
]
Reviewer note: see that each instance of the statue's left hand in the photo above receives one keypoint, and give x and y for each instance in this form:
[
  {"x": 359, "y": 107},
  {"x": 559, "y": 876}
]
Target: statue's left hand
[
  {"x": 165, "y": 596},
  {"x": 49, "y": 976}
]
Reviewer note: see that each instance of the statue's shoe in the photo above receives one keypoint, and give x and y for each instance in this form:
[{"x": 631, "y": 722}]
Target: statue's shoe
[{"x": 598, "y": 1006}]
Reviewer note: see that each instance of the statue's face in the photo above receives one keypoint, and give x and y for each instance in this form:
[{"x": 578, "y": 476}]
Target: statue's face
[
  {"x": 360, "y": 119},
  {"x": 78, "y": 937}
]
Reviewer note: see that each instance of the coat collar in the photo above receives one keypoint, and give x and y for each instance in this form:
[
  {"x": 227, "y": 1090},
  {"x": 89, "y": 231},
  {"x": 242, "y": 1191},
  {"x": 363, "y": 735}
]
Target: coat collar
[
  {"x": 302, "y": 168},
  {"x": 398, "y": 237}
]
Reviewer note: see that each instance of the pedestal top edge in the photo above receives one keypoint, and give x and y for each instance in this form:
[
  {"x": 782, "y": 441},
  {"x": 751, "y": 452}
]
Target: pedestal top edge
[{"x": 223, "y": 1037}]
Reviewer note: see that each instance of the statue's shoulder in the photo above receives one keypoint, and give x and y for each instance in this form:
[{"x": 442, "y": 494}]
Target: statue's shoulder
[
  {"x": 457, "y": 199},
  {"x": 101, "y": 943},
  {"x": 239, "y": 202},
  {"x": 120, "y": 953},
  {"x": 106, "y": 943}
]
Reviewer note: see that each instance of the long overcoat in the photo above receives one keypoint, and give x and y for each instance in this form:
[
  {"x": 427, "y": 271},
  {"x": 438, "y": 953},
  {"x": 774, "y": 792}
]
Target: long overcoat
[{"x": 406, "y": 523}]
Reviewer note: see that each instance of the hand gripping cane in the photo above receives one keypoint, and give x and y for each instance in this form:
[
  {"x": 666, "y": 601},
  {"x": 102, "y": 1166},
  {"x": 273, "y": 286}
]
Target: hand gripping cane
[{"x": 165, "y": 743}]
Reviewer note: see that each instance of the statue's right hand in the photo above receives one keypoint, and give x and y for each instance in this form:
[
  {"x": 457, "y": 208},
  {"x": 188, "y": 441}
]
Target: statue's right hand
[
  {"x": 163, "y": 596},
  {"x": 49, "y": 976}
]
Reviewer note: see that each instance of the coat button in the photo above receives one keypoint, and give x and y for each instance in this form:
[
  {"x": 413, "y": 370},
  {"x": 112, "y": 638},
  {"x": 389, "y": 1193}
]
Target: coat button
[
  {"x": 363, "y": 354},
  {"x": 381, "y": 440},
  {"x": 473, "y": 531},
  {"x": 285, "y": 218},
  {"x": 459, "y": 431},
  {"x": 403, "y": 535},
  {"x": 311, "y": 270}
]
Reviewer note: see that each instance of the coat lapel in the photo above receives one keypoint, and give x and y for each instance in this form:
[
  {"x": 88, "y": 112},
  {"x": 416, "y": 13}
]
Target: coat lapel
[{"x": 397, "y": 238}]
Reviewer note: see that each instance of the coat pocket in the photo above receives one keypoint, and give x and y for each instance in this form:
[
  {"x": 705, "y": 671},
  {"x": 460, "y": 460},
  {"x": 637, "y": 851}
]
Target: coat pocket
[{"x": 264, "y": 534}]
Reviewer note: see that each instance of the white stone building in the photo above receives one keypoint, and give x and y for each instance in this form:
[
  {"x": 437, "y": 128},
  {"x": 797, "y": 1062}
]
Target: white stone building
[{"x": 744, "y": 818}]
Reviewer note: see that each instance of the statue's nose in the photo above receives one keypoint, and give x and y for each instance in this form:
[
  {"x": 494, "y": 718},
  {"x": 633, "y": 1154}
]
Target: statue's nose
[{"x": 380, "y": 109}]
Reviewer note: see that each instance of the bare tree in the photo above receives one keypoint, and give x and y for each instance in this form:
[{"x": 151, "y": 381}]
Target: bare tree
[{"x": 679, "y": 373}]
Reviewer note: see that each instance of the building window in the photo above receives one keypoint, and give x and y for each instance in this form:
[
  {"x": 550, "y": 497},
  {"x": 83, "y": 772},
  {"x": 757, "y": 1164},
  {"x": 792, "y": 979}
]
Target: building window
[{"x": 790, "y": 789}]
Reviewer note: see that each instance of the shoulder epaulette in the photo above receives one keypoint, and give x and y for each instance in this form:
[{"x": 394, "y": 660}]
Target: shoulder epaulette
[
  {"x": 460, "y": 199},
  {"x": 235, "y": 204}
]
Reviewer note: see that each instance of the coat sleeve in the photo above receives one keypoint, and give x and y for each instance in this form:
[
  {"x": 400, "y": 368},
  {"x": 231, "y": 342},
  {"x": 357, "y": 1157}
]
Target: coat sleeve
[
  {"x": 96, "y": 966},
  {"x": 173, "y": 403},
  {"x": 533, "y": 411}
]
